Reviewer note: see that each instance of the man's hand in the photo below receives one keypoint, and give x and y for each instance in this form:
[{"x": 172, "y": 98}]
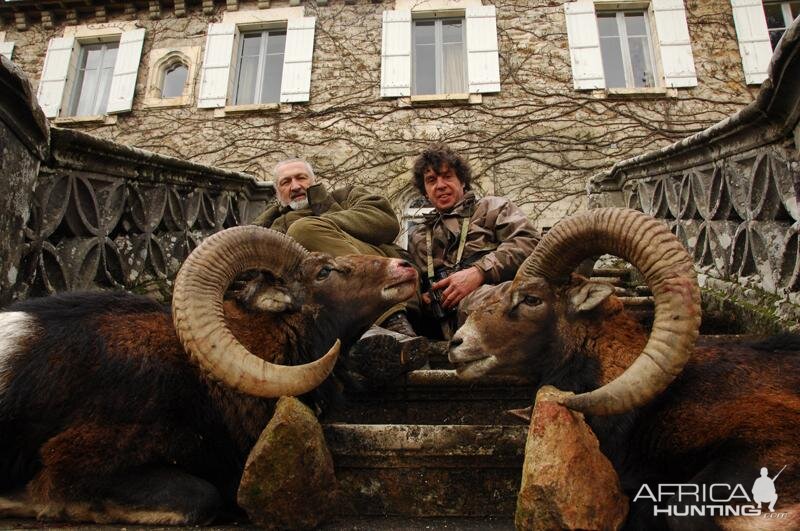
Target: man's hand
[{"x": 459, "y": 285}]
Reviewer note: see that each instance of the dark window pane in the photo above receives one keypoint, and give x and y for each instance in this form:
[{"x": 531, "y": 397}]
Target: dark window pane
[
  {"x": 607, "y": 24},
  {"x": 276, "y": 43},
  {"x": 424, "y": 32},
  {"x": 635, "y": 25},
  {"x": 795, "y": 8},
  {"x": 774, "y": 15},
  {"x": 612, "y": 62},
  {"x": 452, "y": 31},
  {"x": 251, "y": 44},
  {"x": 640, "y": 62},
  {"x": 271, "y": 81},
  {"x": 174, "y": 81},
  {"x": 424, "y": 69},
  {"x": 775, "y": 36}
]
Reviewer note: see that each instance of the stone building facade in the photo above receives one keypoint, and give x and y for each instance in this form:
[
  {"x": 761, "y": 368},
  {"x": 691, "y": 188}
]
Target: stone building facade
[{"x": 538, "y": 106}]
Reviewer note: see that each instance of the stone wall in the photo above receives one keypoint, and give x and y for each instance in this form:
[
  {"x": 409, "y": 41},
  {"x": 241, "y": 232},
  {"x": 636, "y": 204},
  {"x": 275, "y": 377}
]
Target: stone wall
[
  {"x": 79, "y": 212},
  {"x": 731, "y": 193},
  {"x": 537, "y": 141}
]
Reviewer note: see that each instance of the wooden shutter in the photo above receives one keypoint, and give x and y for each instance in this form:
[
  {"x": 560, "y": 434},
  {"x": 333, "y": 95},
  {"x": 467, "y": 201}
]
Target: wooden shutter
[
  {"x": 215, "y": 74},
  {"x": 396, "y": 54},
  {"x": 298, "y": 54},
  {"x": 483, "y": 63},
  {"x": 584, "y": 45},
  {"x": 674, "y": 44},
  {"x": 126, "y": 68},
  {"x": 56, "y": 68},
  {"x": 7, "y": 49},
  {"x": 753, "y": 36}
]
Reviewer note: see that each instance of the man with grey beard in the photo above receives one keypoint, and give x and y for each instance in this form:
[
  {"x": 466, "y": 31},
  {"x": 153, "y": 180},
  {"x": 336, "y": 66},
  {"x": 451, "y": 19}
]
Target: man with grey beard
[{"x": 348, "y": 220}]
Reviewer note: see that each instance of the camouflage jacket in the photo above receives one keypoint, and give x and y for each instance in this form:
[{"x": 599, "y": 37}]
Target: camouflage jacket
[
  {"x": 366, "y": 216},
  {"x": 499, "y": 238}
]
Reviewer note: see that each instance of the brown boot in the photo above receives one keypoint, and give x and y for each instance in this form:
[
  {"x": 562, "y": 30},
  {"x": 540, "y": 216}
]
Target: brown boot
[
  {"x": 398, "y": 322},
  {"x": 382, "y": 355}
]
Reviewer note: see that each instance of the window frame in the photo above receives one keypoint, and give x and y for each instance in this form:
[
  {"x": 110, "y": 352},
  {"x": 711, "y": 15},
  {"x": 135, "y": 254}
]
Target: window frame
[
  {"x": 76, "y": 78},
  {"x": 627, "y": 63},
  {"x": 233, "y": 98},
  {"x": 786, "y": 12},
  {"x": 439, "y": 52}
]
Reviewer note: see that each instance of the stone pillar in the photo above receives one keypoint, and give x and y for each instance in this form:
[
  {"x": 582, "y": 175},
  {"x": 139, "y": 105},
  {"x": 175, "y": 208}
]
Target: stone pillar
[{"x": 24, "y": 144}]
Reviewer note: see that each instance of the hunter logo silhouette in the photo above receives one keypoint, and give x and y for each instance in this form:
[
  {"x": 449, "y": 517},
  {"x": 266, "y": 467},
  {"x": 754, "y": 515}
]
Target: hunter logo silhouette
[{"x": 764, "y": 489}]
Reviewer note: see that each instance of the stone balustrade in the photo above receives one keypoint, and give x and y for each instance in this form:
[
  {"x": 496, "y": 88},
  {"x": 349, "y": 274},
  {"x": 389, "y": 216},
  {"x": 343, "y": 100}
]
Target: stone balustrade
[
  {"x": 96, "y": 214},
  {"x": 730, "y": 193}
]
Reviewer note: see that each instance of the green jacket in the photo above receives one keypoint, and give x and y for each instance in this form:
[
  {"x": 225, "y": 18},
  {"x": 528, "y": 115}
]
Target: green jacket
[{"x": 366, "y": 216}]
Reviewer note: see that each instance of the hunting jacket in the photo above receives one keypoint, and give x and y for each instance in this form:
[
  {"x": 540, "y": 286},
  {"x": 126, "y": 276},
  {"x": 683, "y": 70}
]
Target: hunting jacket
[
  {"x": 499, "y": 238},
  {"x": 363, "y": 215}
]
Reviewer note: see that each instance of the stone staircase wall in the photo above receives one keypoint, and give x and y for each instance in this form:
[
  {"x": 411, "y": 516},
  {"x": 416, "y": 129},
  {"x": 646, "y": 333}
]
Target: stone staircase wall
[{"x": 730, "y": 193}]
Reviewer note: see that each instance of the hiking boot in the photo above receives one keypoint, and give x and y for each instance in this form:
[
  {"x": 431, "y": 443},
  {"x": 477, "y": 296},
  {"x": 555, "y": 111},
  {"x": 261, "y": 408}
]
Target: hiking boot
[
  {"x": 382, "y": 355},
  {"x": 398, "y": 322}
]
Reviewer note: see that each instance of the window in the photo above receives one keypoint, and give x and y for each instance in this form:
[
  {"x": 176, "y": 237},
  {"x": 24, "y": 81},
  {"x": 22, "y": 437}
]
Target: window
[
  {"x": 618, "y": 49},
  {"x": 90, "y": 71},
  {"x": 626, "y": 49},
  {"x": 779, "y": 16},
  {"x": 260, "y": 67},
  {"x": 439, "y": 53},
  {"x": 257, "y": 57},
  {"x": 759, "y": 27},
  {"x": 174, "y": 80},
  {"x": 93, "y": 79},
  {"x": 439, "y": 57}
]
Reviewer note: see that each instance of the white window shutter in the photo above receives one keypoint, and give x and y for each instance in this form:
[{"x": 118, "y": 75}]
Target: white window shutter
[
  {"x": 753, "y": 36},
  {"x": 215, "y": 74},
  {"x": 54, "y": 74},
  {"x": 126, "y": 67},
  {"x": 584, "y": 45},
  {"x": 297, "y": 58},
  {"x": 483, "y": 63},
  {"x": 7, "y": 49},
  {"x": 674, "y": 44},
  {"x": 396, "y": 54}
]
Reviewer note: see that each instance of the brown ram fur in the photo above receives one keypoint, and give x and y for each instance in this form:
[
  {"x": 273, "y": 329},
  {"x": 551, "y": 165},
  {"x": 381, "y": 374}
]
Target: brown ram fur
[{"x": 733, "y": 409}]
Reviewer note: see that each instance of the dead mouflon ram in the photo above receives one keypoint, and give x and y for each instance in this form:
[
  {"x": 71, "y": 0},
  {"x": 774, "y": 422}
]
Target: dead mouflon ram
[
  {"x": 663, "y": 410},
  {"x": 113, "y": 409}
]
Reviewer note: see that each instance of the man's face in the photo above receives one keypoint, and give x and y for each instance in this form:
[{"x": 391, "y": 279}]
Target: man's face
[
  {"x": 443, "y": 187},
  {"x": 291, "y": 182}
]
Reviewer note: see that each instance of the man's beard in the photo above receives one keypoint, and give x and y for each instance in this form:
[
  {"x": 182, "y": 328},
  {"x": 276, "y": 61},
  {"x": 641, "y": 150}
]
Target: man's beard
[{"x": 300, "y": 204}]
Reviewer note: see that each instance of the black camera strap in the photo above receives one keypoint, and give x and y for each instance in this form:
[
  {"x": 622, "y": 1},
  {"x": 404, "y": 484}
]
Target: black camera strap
[{"x": 461, "y": 242}]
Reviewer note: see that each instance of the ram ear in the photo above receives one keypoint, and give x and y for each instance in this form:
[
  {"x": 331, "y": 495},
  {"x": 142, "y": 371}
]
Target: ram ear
[
  {"x": 267, "y": 293},
  {"x": 588, "y": 295}
]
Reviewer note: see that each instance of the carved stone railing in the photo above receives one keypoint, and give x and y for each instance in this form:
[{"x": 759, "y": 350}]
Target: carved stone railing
[
  {"x": 104, "y": 215},
  {"x": 730, "y": 193}
]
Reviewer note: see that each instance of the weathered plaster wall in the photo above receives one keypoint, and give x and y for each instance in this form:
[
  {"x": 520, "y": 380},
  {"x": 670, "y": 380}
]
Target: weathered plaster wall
[{"x": 538, "y": 141}]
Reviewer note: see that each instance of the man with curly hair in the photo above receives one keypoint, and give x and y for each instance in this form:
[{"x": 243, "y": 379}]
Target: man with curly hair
[{"x": 466, "y": 242}]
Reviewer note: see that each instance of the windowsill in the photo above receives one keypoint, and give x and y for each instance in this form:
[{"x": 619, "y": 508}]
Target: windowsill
[
  {"x": 429, "y": 99},
  {"x": 636, "y": 93},
  {"x": 180, "y": 101},
  {"x": 104, "y": 119},
  {"x": 253, "y": 108}
]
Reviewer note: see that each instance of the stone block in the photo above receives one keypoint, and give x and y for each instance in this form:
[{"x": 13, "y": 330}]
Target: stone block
[
  {"x": 288, "y": 481},
  {"x": 567, "y": 483}
]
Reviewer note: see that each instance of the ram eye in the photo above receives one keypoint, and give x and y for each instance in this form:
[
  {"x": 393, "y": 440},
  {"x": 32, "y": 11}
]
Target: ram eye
[
  {"x": 324, "y": 272},
  {"x": 531, "y": 300}
]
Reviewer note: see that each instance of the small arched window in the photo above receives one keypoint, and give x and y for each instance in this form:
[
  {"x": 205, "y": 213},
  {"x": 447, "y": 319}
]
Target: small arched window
[{"x": 174, "y": 81}]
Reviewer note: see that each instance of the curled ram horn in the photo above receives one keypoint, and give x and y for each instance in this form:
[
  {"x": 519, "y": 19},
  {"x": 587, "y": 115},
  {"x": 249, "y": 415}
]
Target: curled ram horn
[{"x": 669, "y": 272}]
